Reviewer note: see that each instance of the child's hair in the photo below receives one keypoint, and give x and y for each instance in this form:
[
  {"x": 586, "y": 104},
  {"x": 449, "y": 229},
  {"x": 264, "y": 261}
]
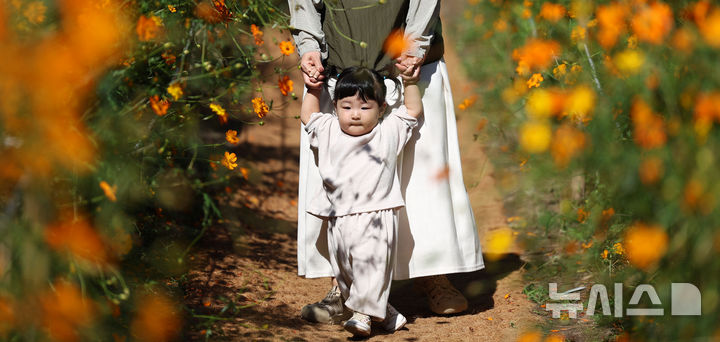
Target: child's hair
[{"x": 367, "y": 83}]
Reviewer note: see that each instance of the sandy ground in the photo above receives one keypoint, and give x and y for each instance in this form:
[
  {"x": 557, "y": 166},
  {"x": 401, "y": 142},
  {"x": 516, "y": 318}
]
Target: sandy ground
[{"x": 245, "y": 269}]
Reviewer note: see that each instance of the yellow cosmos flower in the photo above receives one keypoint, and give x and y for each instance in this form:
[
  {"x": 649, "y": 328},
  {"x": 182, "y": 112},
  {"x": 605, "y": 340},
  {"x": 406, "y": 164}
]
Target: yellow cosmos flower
[
  {"x": 535, "y": 136},
  {"x": 539, "y": 104},
  {"x": 175, "y": 90},
  {"x": 535, "y": 80},
  {"x": 629, "y": 62}
]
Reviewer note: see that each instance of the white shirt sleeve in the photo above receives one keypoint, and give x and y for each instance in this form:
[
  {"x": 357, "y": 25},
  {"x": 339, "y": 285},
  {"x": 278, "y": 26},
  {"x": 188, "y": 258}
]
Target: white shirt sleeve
[
  {"x": 400, "y": 123},
  {"x": 306, "y": 27},
  {"x": 317, "y": 127},
  {"x": 420, "y": 24}
]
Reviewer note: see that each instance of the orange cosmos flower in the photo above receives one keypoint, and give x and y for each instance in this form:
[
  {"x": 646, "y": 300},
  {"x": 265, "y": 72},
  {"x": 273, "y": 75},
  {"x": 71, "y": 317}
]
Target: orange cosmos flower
[
  {"x": 286, "y": 85},
  {"x": 168, "y": 57},
  {"x": 653, "y": 22},
  {"x": 607, "y": 214},
  {"x": 582, "y": 215},
  {"x": 231, "y": 137},
  {"x": 109, "y": 190},
  {"x": 604, "y": 254},
  {"x": 78, "y": 238},
  {"x": 710, "y": 28},
  {"x": 64, "y": 311},
  {"x": 225, "y": 14},
  {"x": 467, "y": 102},
  {"x": 260, "y": 107},
  {"x": 148, "y": 28},
  {"x": 649, "y": 128},
  {"x": 157, "y": 319},
  {"x": 536, "y": 54},
  {"x": 552, "y": 12},
  {"x": 160, "y": 107},
  {"x": 286, "y": 48},
  {"x": 257, "y": 34},
  {"x": 567, "y": 142},
  {"x": 395, "y": 44},
  {"x": 645, "y": 244},
  {"x": 611, "y": 22},
  {"x": 208, "y": 12},
  {"x": 707, "y": 107},
  {"x": 229, "y": 161},
  {"x": 245, "y": 173},
  {"x": 650, "y": 170},
  {"x": 683, "y": 40}
]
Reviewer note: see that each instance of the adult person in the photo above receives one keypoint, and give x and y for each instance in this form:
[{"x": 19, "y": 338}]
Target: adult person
[{"x": 437, "y": 233}]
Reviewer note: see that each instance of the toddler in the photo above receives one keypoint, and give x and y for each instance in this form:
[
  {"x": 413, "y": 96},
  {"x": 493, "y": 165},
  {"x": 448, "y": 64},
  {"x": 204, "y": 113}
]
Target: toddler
[{"x": 356, "y": 150}]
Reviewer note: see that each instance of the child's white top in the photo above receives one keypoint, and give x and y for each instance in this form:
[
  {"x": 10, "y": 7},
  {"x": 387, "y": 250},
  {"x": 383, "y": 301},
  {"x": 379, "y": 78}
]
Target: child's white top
[{"x": 358, "y": 172}]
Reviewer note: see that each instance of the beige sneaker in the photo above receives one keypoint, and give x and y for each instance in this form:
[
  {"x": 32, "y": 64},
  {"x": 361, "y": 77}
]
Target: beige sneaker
[{"x": 443, "y": 298}]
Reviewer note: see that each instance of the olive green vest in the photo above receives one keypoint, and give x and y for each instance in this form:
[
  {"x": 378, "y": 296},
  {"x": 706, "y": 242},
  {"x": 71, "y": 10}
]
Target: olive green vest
[{"x": 355, "y": 31}]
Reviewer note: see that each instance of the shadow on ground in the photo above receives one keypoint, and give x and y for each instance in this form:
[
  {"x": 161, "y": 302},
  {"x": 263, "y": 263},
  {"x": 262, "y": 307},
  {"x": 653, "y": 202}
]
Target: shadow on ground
[{"x": 478, "y": 287}]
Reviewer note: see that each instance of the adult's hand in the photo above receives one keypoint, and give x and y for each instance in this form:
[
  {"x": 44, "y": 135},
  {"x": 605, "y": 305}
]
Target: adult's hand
[
  {"x": 312, "y": 69},
  {"x": 407, "y": 64}
]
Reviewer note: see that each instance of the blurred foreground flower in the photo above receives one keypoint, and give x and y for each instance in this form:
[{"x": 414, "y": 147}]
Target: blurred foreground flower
[
  {"x": 109, "y": 190},
  {"x": 653, "y": 22},
  {"x": 649, "y": 128},
  {"x": 65, "y": 310},
  {"x": 395, "y": 44},
  {"x": 535, "y": 136},
  {"x": 157, "y": 319},
  {"x": 535, "y": 55},
  {"x": 611, "y": 23},
  {"x": 645, "y": 244},
  {"x": 498, "y": 243},
  {"x": 552, "y": 12},
  {"x": 78, "y": 238}
]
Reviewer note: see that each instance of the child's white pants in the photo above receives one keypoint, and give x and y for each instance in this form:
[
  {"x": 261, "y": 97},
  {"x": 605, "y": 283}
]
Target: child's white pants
[{"x": 362, "y": 247}]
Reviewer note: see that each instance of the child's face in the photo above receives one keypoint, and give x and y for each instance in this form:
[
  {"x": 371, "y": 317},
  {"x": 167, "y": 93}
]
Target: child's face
[{"x": 356, "y": 116}]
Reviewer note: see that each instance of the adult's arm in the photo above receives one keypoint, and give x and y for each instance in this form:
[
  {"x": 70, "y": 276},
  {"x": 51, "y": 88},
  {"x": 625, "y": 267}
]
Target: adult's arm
[
  {"x": 419, "y": 29},
  {"x": 306, "y": 28}
]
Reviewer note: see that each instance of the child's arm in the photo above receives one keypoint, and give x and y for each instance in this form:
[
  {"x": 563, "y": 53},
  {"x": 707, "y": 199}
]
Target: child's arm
[
  {"x": 310, "y": 104},
  {"x": 413, "y": 98}
]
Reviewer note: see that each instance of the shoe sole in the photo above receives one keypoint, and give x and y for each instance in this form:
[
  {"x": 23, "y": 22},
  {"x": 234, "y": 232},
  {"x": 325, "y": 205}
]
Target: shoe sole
[
  {"x": 450, "y": 311},
  {"x": 315, "y": 315},
  {"x": 357, "y": 330}
]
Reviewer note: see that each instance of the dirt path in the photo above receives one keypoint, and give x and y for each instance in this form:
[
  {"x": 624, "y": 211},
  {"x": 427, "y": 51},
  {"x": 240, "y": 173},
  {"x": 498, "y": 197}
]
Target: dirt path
[{"x": 245, "y": 269}]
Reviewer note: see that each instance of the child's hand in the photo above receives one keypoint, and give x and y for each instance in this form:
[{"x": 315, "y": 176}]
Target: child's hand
[{"x": 410, "y": 75}]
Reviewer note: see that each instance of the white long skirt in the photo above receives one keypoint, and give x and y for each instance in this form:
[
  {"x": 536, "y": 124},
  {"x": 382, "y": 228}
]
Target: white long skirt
[{"x": 436, "y": 233}]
